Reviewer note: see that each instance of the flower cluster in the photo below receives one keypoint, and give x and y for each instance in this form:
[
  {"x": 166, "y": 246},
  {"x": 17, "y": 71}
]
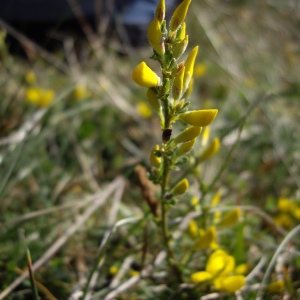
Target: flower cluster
[
  {"x": 36, "y": 95},
  {"x": 220, "y": 270},
  {"x": 288, "y": 213},
  {"x": 167, "y": 96}
]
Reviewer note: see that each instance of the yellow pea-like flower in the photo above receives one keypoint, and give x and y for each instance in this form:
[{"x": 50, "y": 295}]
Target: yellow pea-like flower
[
  {"x": 232, "y": 283},
  {"x": 154, "y": 160},
  {"x": 153, "y": 100},
  {"x": 188, "y": 134},
  {"x": 160, "y": 11},
  {"x": 189, "y": 66},
  {"x": 33, "y": 95},
  {"x": 179, "y": 15},
  {"x": 220, "y": 263},
  {"x": 276, "y": 286},
  {"x": 46, "y": 98},
  {"x": 177, "y": 87},
  {"x": 199, "y": 117},
  {"x": 200, "y": 277},
  {"x": 193, "y": 229},
  {"x": 185, "y": 147},
  {"x": 181, "y": 187},
  {"x": 155, "y": 37},
  {"x": 211, "y": 150},
  {"x": 230, "y": 218},
  {"x": 207, "y": 239},
  {"x": 144, "y": 76}
]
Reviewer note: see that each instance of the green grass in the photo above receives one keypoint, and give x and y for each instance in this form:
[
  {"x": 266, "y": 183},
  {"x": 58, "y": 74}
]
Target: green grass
[{"x": 68, "y": 189}]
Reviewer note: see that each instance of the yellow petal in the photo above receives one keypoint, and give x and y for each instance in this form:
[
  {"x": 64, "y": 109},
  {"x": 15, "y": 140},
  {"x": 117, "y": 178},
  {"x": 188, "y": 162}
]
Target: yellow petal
[
  {"x": 181, "y": 187},
  {"x": 46, "y": 98},
  {"x": 155, "y": 37},
  {"x": 200, "y": 277},
  {"x": 211, "y": 150},
  {"x": 144, "y": 76},
  {"x": 206, "y": 239},
  {"x": 185, "y": 147},
  {"x": 179, "y": 15},
  {"x": 144, "y": 110},
  {"x": 188, "y": 134},
  {"x": 199, "y": 118},
  {"x": 154, "y": 160},
  {"x": 220, "y": 264},
  {"x": 189, "y": 67},
  {"x": 230, "y": 218},
  {"x": 160, "y": 11},
  {"x": 241, "y": 269},
  {"x": 275, "y": 287},
  {"x": 233, "y": 283},
  {"x": 193, "y": 229}
]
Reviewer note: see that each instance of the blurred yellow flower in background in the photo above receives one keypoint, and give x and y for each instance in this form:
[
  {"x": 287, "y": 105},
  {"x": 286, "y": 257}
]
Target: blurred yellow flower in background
[
  {"x": 144, "y": 110},
  {"x": 30, "y": 77},
  {"x": 39, "y": 97},
  {"x": 200, "y": 70}
]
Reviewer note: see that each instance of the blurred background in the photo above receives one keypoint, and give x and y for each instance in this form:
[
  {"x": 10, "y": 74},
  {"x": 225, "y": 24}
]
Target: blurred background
[{"x": 72, "y": 120}]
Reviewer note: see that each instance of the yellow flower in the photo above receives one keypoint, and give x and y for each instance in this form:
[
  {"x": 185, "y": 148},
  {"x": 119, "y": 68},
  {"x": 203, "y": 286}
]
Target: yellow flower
[
  {"x": 181, "y": 187},
  {"x": 154, "y": 160},
  {"x": 46, "y": 98},
  {"x": 220, "y": 264},
  {"x": 188, "y": 134},
  {"x": 230, "y": 218},
  {"x": 201, "y": 277},
  {"x": 113, "y": 270},
  {"x": 33, "y": 95},
  {"x": 189, "y": 67},
  {"x": 207, "y": 239},
  {"x": 144, "y": 76},
  {"x": 284, "y": 220},
  {"x": 39, "y": 96},
  {"x": 180, "y": 47},
  {"x": 200, "y": 70},
  {"x": 185, "y": 147},
  {"x": 232, "y": 283},
  {"x": 285, "y": 205},
  {"x": 30, "y": 77},
  {"x": 81, "y": 92},
  {"x": 193, "y": 229},
  {"x": 205, "y": 136},
  {"x": 199, "y": 118},
  {"x": 144, "y": 110},
  {"x": 194, "y": 201},
  {"x": 241, "y": 269},
  {"x": 211, "y": 150},
  {"x": 179, "y": 15},
  {"x": 219, "y": 269},
  {"x": 155, "y": 37},
  {"x": 160, "y": 11},
  {"x": 275, "y": 287}
]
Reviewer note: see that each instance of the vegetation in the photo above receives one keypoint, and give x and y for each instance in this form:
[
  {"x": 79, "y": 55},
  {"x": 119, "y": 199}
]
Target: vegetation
[{"x": 188, "y": 189}]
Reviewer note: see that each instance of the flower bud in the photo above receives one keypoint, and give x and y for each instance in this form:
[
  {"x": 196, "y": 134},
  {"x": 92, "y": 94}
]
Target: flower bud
[
  {"x": 181, "y": 31},
  {"x": 211, "y": 150},
  {"x": 189, "y": 67},
  {"x": 160, "y": 11},
  {"x": 180, "y": 47},
  {"x": 181, "y": 187},
  {"x": 153, "y": 100},
  {"x": 230, "y": 218},
  {"x": 185, "y": 147},
  {"x": 179, "y": 15},
  {"x": 199, "y": 118},
  {"x": 144, "y": 76},
  {"x": 188, "y": 134},
  {"x": 154, "y": 160},
  {"x": 155, "y": 37},
  {"x": 178, "y": 84}
]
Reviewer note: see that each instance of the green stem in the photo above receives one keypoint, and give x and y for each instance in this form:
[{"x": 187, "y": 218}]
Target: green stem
[{"x": 164, "y": 221}]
